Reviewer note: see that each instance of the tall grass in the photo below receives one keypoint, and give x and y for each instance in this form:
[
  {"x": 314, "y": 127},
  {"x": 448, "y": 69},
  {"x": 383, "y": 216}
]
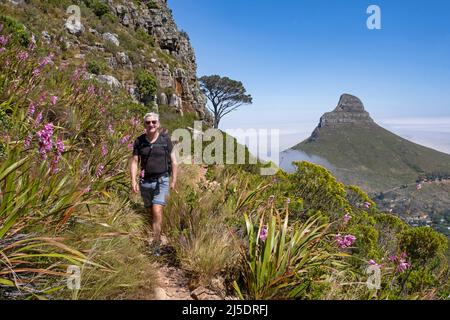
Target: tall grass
[{"x": 65, "y": 146}]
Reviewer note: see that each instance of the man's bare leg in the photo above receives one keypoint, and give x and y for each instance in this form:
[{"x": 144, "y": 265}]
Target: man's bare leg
[{"x": 157, "y": 211}]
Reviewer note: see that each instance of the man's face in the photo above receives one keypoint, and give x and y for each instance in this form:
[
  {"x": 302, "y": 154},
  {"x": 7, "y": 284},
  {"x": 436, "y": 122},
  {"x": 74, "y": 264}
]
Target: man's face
[{"x": 151, "y": 124}]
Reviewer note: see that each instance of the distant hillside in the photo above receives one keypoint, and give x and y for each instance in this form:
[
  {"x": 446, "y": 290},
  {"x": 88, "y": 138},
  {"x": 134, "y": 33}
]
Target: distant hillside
[{"x": 362, "y": 153}]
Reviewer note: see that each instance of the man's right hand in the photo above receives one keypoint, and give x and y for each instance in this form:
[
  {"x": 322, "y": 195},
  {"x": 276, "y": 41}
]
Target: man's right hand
[{"x": 135, "y": 186}]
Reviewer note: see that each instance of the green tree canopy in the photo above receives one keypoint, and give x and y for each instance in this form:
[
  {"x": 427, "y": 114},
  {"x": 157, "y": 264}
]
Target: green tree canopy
[{"x": 225, "y": 95}]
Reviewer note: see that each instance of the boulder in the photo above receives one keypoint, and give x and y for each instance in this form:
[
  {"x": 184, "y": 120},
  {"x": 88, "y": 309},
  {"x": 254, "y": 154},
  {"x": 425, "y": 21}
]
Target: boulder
[
  {"x": 110, "y": 80},
  {"x": 74, "y": 27},
  {"x": 162, "y": 98},
  {"x": 111, "y": 37}
]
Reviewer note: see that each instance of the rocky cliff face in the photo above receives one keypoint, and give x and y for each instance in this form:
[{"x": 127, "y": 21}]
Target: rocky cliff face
[
  {"x": 158, "y": 22},
  {"x": 125, "y": 36},
  {"x": 350, "y": 110}
]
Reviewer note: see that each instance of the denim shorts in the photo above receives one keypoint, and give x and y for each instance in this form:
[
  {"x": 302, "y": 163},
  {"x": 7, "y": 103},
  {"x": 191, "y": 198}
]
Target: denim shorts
[{"x": 155, "y": 192}]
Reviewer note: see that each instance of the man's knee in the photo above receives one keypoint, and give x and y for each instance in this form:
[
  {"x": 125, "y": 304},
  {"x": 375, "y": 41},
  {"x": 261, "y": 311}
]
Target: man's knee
[{"x": 157, "y": 211}]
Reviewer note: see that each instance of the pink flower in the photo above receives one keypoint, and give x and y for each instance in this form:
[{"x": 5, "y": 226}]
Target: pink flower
[
  {"x": 45, "y": 139},
  {"x": 104, "y": 150},
  {"x": 366, "y": 205},
  {"x": 419, "y": 186},
  {"x": 110, "y": 129},
  {"x": 393, "y": 258},
  {"x": 344, "y": 241},
  {"x": 22, "y": 56},
  {"x": 3, "y": 40},
  {"x": 31, "y": 109},
  {"x": 99, "y": 171},
  {"x": 42, "y": 98},
  {"x": 36, "y": 72},
  {"x": 91, "y": 89},
  {"x": 125, "y": 139},
  {"x": 59, "y": 146},
  {"x": 142, "y": 173},
  {"x": 27, "y": 141},
  {"x": 53, "y": 100},
  {"x": 38, "y": 119},
  {"x": 403, "y": 266},
  {"x": 2, "y": 50},
  {"x": 346, "y": 218},
  {"x": 102, "y": 109},
  {"x": 130, "y": 146},
  {"x": 263, "y": 234},
  {"x": 47, "y": 60}
]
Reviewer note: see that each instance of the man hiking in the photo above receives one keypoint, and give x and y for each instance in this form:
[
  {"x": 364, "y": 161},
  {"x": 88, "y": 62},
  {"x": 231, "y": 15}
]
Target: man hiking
[{"x": 153, "y": 151}]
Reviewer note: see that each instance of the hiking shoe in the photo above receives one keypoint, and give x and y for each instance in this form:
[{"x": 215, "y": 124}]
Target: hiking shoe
[{"x": 156, "y": 250}]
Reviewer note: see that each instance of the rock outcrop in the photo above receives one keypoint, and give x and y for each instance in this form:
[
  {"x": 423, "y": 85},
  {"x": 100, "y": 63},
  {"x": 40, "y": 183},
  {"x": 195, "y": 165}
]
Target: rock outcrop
[
  {"x": 350, "y": 110},
  {"x": 122, "y": 39},
  {"x": 158, "y": 22}
]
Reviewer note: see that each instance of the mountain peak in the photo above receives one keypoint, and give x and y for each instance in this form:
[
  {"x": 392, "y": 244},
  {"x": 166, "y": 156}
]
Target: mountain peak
[
  {"x": 350, "y": 110},
  {"x": 349, "y": 103}
]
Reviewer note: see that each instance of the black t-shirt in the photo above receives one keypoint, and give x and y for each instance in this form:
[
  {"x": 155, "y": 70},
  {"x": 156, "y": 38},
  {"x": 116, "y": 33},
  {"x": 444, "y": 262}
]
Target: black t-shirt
[{"x": 154, "y": 157}]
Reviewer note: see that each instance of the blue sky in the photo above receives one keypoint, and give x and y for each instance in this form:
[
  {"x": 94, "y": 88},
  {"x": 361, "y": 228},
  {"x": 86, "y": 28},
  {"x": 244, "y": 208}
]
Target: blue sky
[{"x": 297, "y": 57}]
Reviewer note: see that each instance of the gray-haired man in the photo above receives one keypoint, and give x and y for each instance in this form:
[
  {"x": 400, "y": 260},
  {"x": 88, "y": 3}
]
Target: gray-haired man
[{"x": 154, "y": 152}]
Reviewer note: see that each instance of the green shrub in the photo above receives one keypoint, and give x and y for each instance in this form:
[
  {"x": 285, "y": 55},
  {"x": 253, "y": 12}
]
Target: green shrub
[
  {"x": 152, "y": 4},
  {"x": 18, "y": 31},
  {"x": 96, "y": 66},
  {"x": 422, "y": 244},
  {"x": 108, "y": 19},
  {"x": 143, "y": 36},
  {"x": 146, "y": 83},
  {"x": 98, "y": 7}
]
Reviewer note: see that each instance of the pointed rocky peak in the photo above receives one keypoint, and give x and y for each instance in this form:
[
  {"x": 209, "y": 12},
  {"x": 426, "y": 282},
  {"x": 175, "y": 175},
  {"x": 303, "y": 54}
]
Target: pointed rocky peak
[
  {"x": 350, "y": 110},
  {"x": 349, "y": 103}
]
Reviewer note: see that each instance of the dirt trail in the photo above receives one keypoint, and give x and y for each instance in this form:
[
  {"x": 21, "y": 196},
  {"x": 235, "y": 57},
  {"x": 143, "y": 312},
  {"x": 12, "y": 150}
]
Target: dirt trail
[{"x": 173, "y": 283}]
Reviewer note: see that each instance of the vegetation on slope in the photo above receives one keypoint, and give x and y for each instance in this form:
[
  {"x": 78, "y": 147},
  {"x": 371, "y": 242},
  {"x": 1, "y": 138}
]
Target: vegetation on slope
[
  {"x": 65, "y": 201},
  {"x": 372, "y": 157}
]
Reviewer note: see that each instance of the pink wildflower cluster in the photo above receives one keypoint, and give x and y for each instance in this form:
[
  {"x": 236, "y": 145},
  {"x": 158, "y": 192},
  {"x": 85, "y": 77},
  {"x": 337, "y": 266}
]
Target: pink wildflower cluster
[
  {"x": 263, "y": 234},
  {"x": 3, "y": 40},
  {"x": 104, "y": 150},
  {"x": 401, "y": 262},
  {"x": 99, "y": 171},
  {"x": 125, "y": 139},
  {"x": 366, "y": 205},
  {"x": 44, "y": 61},
  {"x": 344, "y": 241},
  {"x": 53, "y": 100},
  {"x": 22, "y": 56},
  {"x": 45, "y": 139}
]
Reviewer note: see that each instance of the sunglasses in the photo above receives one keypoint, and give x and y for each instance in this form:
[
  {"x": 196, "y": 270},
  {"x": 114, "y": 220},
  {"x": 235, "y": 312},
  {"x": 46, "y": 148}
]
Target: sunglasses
[{"x": 152, "y": 122}]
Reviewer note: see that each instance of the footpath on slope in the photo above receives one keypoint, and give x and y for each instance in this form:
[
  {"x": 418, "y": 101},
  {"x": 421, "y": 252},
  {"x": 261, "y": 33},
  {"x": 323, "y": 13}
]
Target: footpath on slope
[{"x": 173, "y": 283}]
